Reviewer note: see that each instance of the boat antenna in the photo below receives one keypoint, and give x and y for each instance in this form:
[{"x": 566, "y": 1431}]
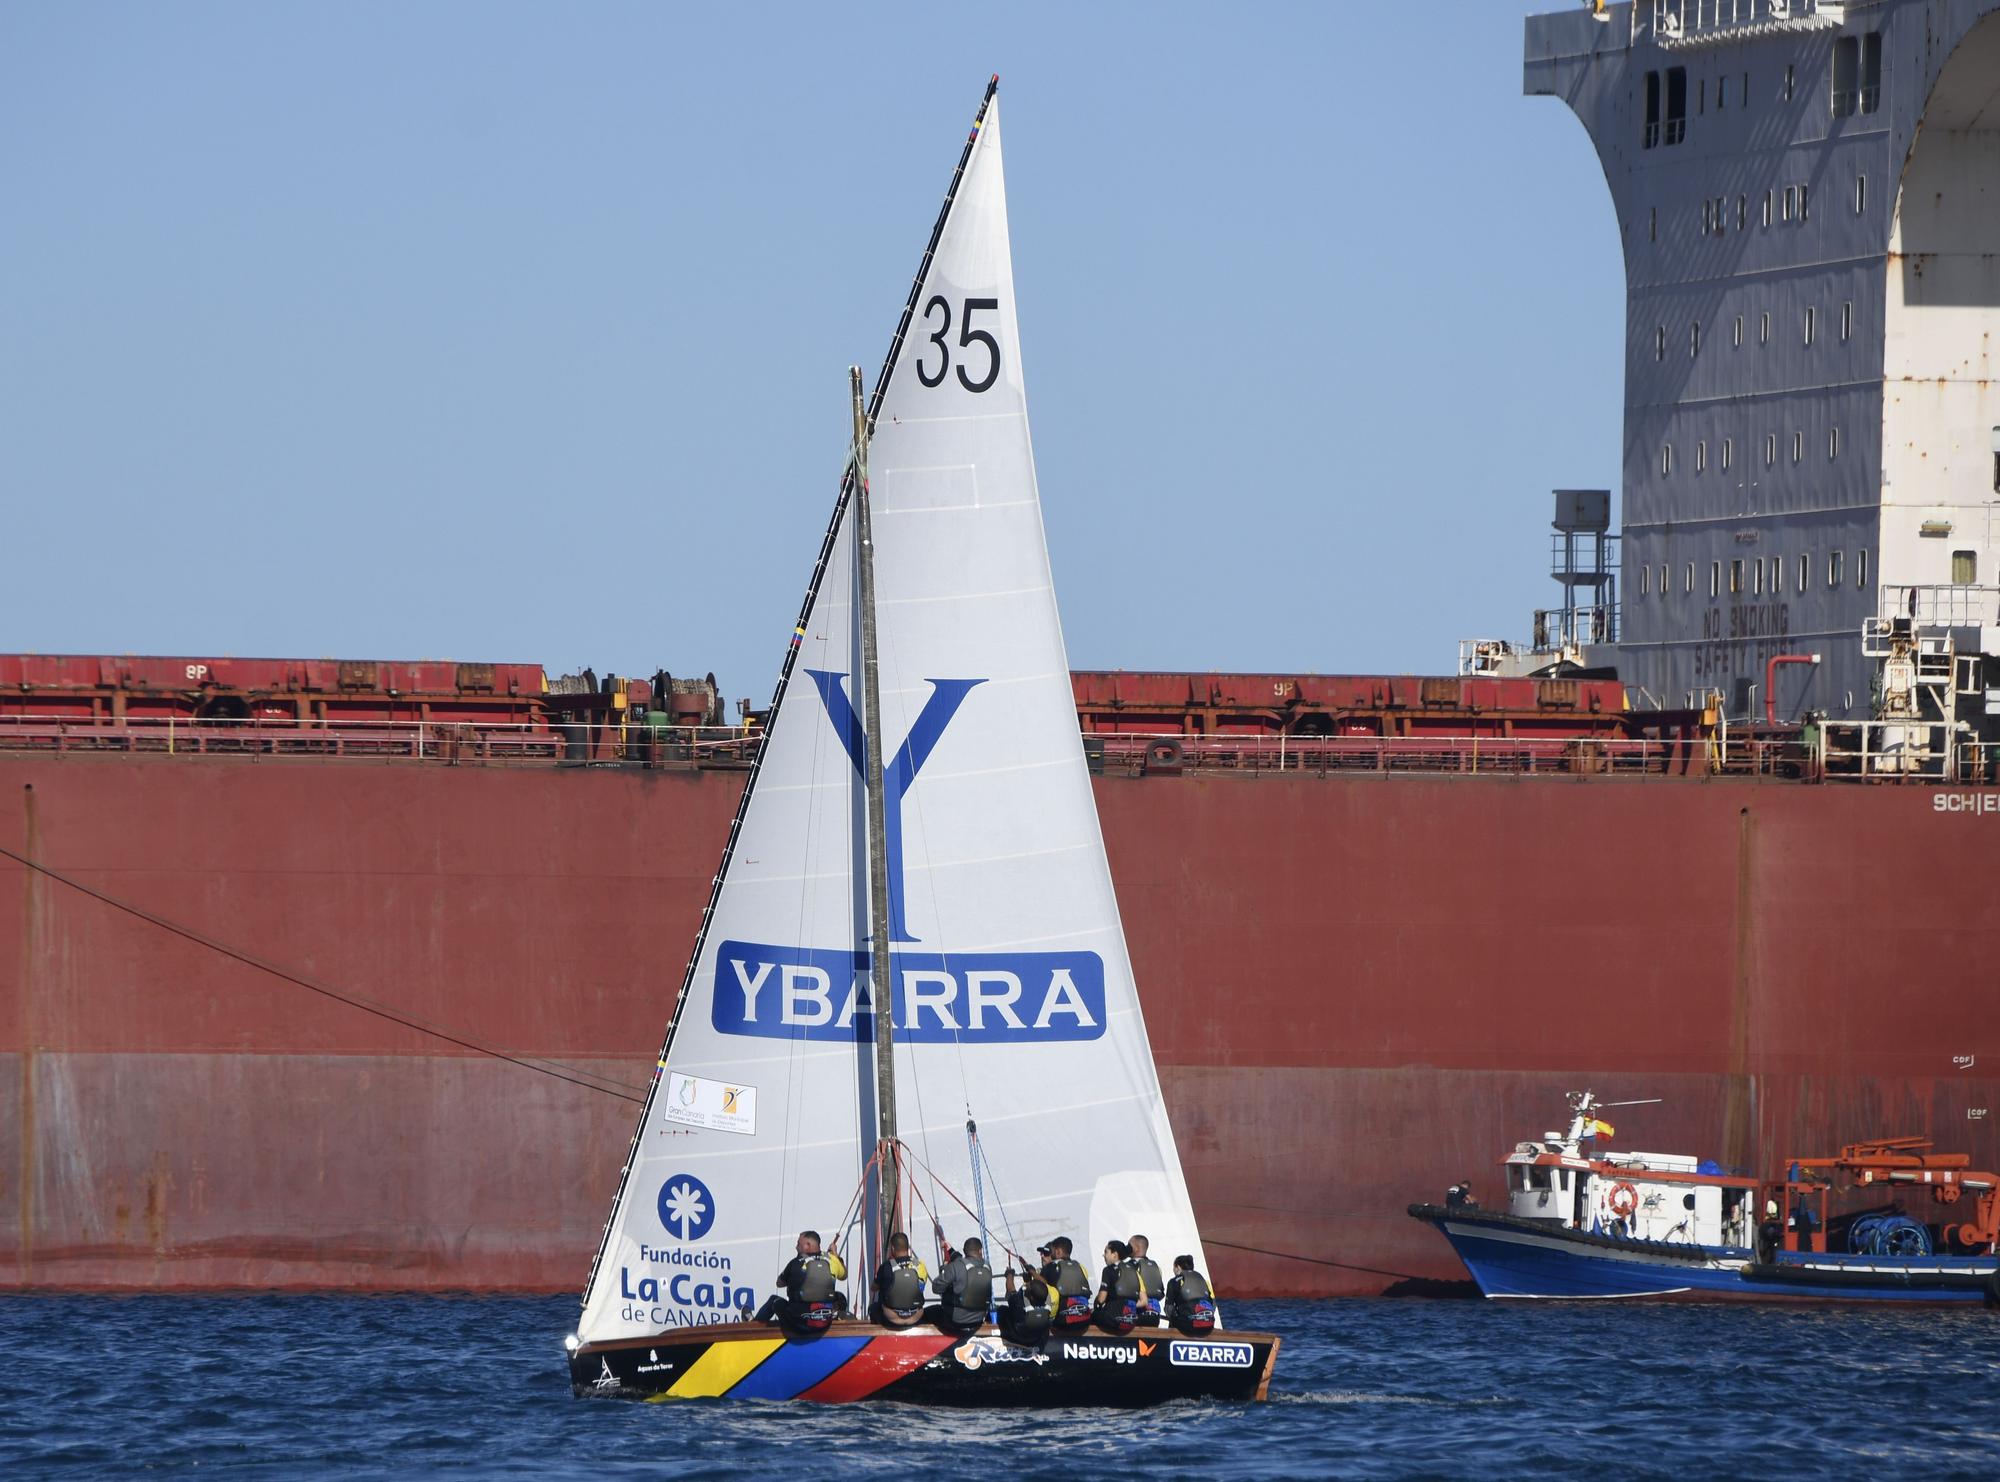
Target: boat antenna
[{"x": 881, "y": 980}]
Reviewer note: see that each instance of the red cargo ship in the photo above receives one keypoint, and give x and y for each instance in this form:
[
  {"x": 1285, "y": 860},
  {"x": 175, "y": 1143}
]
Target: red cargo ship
[{"x": 320, "y": 972}]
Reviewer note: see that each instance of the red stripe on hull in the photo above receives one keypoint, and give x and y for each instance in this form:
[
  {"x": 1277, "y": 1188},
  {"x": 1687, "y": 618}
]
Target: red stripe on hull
[{"x": 880, "y": 1364}]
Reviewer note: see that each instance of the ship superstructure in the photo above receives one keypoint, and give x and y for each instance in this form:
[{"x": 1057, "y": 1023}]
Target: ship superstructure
[{"x": 1808, "y": 199}]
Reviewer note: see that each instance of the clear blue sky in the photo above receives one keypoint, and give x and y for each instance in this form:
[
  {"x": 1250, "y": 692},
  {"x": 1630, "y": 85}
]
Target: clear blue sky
[{"x": 520, "y": 332}]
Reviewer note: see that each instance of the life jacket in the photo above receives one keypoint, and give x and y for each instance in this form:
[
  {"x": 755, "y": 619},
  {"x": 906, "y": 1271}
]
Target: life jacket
[
  {"x": 813, "y": 1307},
  {"x": 1155, "y": 1284},
  {"x": 1195, "y": 1307},
  {"x": 815, "y": 1279},
  {"x": 977, "y": 1293},
  {"x": 1070, "y": 1289},
  {"x": 1126, "y": 1284},
  {"x": 904, "y": 1290},
  {"x": 1120, "y": 1312},
  {"x": 1034, "y": 1318}
]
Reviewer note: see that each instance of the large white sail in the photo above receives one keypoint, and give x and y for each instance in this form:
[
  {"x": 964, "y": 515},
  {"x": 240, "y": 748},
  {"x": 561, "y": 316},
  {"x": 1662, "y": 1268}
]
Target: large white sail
[{"x": 1015, "y": 1004}]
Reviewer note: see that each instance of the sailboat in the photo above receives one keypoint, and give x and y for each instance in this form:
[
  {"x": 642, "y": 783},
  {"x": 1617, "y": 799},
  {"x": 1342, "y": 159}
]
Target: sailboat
[{"x": 919, "y": 815}]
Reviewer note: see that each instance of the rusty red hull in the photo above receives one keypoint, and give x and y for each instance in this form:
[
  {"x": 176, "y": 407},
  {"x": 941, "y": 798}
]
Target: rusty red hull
[{"x": 1360, "y": 989}]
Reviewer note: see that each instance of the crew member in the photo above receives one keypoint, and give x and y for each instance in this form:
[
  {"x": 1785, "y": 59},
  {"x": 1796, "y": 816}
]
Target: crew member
[
  {"x": 1118, "y": 1290},
  {"x": 1031, "y": 1309},
  {"x": 811, "y": 1301},
  {"x": 1802, "y": 1223},
  {"x": 1770, "y": 1234},
  {"x": 1190, "y": 1303},
  {"x": 1152, "y": 1285},
  {"x": 899, "y": 1286},
  {"x": 966, "y": 1288},
  {"x": 1066, "y": 1279}
]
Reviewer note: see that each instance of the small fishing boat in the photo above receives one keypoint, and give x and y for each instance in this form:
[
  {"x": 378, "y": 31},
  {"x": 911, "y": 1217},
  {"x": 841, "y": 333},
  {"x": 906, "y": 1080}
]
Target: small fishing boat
[
  {"x": 1006, "y": 1083},
  {"x": 1582, "y": 1221}
]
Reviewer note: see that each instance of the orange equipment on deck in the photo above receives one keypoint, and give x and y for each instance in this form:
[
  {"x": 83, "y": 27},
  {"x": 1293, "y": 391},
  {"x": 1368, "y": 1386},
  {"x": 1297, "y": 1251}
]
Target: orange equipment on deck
[{"x": 1898, "y": 1162}]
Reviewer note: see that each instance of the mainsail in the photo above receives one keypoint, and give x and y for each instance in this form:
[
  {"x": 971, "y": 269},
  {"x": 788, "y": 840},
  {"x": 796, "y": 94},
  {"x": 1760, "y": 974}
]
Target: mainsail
[{"x": 1014, "y": 999}]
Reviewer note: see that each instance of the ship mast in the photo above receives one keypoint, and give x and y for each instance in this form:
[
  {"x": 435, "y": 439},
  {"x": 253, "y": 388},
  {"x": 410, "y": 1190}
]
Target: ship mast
[{"x": 881, "y": 980}]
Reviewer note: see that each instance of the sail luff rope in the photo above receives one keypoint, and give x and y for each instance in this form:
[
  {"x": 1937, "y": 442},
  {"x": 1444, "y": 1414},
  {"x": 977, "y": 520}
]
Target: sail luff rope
[
  {"x": 556, "y": 1069},
  {"x": 784, "y": 680}
]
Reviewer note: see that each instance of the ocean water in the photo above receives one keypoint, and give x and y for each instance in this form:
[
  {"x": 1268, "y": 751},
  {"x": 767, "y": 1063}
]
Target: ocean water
[{"x": 475, "y": 1386}]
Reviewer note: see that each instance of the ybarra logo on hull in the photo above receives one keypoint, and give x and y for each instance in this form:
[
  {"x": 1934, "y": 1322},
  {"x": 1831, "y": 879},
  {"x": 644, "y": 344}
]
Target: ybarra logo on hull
[
  {"x": 972, "y": 998},
  {"x": 1185, "y": 1355}
]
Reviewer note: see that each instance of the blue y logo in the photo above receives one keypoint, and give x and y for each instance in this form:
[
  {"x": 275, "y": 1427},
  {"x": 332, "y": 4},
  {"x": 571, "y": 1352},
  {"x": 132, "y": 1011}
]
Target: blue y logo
[
  {"x": 901, "y": 773},
  {"x": 797, "y": 992}
]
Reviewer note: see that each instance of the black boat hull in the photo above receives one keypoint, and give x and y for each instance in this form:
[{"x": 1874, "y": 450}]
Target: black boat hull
[{"x": 855, "y": 1361}]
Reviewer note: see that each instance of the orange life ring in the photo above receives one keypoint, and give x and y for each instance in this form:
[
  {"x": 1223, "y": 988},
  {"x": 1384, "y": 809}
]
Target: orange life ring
[{"x": 1624, "y": 1200}]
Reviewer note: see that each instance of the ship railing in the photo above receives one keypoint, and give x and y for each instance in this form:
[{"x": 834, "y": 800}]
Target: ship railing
[
  {"x": 1679, "y": 23},
  {"x": 1941, "y": 605},
  {"x": 444, "y": 742},
  {"x": 1977, "y": 761},
  {"x": 1168, "y": 754},
  {"x": 1901, "y": 750}
]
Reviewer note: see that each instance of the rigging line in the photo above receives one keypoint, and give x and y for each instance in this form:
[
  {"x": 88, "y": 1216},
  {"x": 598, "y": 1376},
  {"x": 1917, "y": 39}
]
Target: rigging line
[
  {"x": 954, "y": 1198},
  {"x": 978, "y": 1177},
  {"x": 999, "y": 1199},
  {"x": 555, "y": 1069},
  {"x": 937, "y": 1226},
  {"x": 851, "y": 1216},
  {"x": 1285, "y": 1255}
]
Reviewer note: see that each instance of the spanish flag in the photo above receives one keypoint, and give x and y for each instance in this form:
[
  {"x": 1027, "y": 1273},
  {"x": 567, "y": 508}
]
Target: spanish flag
[{"x": 1599, "y": 1129}]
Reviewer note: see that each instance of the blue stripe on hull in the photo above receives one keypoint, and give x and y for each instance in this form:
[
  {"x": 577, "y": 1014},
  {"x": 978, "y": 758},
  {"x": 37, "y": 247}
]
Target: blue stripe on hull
[
  {"x": 796, "y": 1368},
  {"x": 1516, "y": 1264}
]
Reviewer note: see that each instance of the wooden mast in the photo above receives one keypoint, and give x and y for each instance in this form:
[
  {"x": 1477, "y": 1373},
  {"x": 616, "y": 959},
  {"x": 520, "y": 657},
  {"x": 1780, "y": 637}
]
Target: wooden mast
[{"x": 881, "y": 979}]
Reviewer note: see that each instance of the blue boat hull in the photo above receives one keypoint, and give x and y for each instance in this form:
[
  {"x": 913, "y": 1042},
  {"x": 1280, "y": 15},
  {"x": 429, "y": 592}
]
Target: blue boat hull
[{"x": 1513, "y": 1258}]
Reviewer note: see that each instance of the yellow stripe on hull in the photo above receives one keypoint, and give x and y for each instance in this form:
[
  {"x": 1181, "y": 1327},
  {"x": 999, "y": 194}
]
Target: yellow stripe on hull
[{"x": 716, "y": 1372}]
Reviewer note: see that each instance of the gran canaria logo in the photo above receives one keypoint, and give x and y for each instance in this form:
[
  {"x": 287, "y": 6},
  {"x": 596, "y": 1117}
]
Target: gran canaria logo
[{"x": 816, "y": 993}]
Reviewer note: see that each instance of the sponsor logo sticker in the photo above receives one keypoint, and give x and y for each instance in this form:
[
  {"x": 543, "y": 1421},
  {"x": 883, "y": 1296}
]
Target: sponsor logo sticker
[
  {"x": 716, "y": 1106},
  {"x": 1187, "y": 1355},
  {"x": 687, "y": 1209},
  {"x": 1110, "y": 1353},
  {"x": 973, "y": 998},
  {"x": 977, "y": 1351}
]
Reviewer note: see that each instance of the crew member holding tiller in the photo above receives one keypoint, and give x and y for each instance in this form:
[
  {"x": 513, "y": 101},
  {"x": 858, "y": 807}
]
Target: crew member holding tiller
[
  {"x": 811, "y": 1301},
  {"x": 1068, "y": 1281}
]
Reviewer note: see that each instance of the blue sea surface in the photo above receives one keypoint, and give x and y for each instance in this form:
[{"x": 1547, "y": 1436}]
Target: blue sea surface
[{"x": 258, "y": 1386}]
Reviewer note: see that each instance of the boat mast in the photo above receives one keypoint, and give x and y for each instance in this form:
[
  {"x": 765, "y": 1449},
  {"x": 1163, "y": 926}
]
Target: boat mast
[{"x": 881, "y": 981}]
